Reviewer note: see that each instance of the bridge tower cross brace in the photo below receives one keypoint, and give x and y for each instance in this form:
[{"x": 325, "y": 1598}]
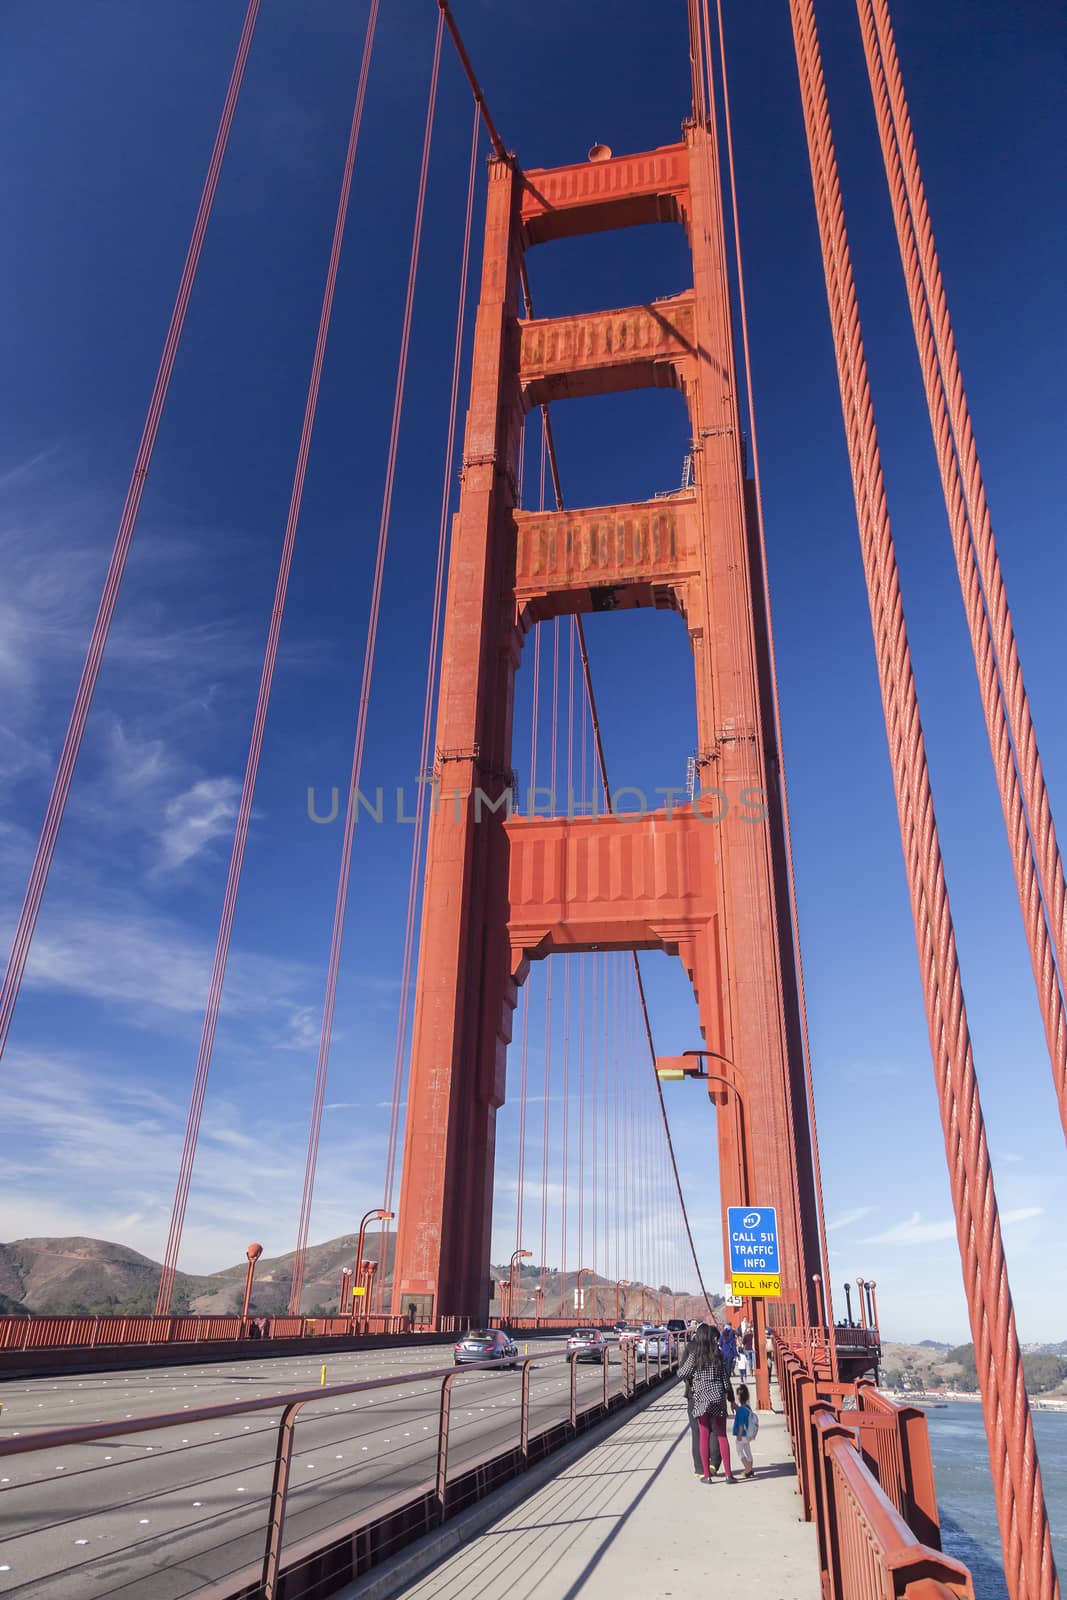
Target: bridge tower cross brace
[{"x": 704, "y": 880}]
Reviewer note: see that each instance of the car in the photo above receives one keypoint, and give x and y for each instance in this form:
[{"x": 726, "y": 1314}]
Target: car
[
  {"x": 485, "y": 1344},
  {"x": 676, "y": 1325},
  {"x": 655, "y": 1342},
  {"x": 588, "y": 1344}
]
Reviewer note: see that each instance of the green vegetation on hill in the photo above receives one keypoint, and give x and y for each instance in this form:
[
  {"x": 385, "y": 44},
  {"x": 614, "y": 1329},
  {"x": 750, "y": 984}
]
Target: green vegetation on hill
[{"x": 1043, "y": 1371}]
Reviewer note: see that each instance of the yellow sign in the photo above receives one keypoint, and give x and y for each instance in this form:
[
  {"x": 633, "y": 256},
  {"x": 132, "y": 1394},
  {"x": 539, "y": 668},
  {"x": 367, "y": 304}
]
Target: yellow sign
[
  {"x": 764, "y": 1285},
  {"x": 358, "y": 1290}
]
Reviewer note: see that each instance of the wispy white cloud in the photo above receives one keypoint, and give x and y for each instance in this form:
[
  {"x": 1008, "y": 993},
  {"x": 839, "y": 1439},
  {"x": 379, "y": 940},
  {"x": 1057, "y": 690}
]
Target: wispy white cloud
[
  {"x": 192, "y": 820},
  {"x": 845, "y": 1219},
  {"x": 112, "y": 1145},
  {"x": 913, "y": 1230}
]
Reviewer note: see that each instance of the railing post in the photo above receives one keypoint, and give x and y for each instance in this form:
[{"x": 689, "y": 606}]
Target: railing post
[
  {"x": 606, "y": 1372},
  {"x": 524, "y": 1411},
  {"x": 283, "y": 1460},
  {"x": 442, "y": 1444},
  {"x": 922, "y": 1513},
  {"x": 573, "y": 1363}
]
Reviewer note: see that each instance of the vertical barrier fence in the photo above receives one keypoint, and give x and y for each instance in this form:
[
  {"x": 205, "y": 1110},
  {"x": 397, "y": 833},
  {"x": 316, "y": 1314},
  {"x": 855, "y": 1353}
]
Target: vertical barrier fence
[{"x": 866, "y": 1479}]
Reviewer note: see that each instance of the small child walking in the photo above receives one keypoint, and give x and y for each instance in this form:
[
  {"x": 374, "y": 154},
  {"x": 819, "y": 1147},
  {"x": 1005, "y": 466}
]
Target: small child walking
[{"x": 746, "y": 1426}]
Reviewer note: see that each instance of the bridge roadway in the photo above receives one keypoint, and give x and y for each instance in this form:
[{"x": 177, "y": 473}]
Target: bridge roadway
[{"x": 165, "y": 1512}]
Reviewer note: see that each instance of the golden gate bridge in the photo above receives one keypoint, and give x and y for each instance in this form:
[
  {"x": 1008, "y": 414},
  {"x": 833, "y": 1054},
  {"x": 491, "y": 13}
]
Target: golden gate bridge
[{"x": 496, "y": 885}]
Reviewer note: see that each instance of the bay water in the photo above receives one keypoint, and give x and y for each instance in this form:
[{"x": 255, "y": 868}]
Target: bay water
[{"x": 965, "y": 1490}]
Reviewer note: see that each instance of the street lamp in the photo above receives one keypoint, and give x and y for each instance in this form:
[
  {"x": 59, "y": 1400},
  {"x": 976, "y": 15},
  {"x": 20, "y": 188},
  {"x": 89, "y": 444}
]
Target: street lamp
[
  {"x": 517, "y": 1255},
  {"x": 820, "y": 1308},
  {"x": 848, "y": 1302},
  {"x": 379, "y": 1215},
  {"x": 344, "y": 1297},
  {"x": 623, "y": 1283},
  {"x": 861, "y": 1285},
  {"x": 582, "y": 1272},
  {"x": 871, "y": 1287},
  {"x": 253, "y": 1253}
]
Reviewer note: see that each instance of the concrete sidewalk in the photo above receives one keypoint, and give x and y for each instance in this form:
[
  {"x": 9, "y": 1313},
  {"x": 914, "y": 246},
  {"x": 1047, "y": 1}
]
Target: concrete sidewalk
[{"x": 631, "y": 1518}]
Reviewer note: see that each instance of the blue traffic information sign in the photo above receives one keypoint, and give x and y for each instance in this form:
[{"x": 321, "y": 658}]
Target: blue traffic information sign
[{"x": 753, "y": 1239}]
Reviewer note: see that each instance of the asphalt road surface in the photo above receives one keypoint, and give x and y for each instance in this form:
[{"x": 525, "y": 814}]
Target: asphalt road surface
[{"x": 164, "y": 1512}]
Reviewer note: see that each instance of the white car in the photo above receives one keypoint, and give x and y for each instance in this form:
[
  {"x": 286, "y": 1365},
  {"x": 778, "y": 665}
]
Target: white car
[{"x": 655, "y": 1342}]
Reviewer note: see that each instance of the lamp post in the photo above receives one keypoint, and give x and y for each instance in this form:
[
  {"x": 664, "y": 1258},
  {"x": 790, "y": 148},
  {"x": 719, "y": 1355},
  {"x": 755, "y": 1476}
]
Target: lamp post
[
  {"x": 377, "y": 1214},
  {"x": 517, "y": 1255},
  {"x": 344, "y": 1297},
  {"x": 871, "y": 1287},
  {"x": 820, "y": 1308},
  {"x": 860, "y": 1286},
  {"x": 539, "y": 1305},
  {"x": 848, "y": 1302},
  {"x": 367, "y": 1271},
  {"x": 678, "y": 1067},
  {"x": 582, "y": 1272},
  {"x": 620, "y": 1301},
  {"x": 253, "y": 1253}
]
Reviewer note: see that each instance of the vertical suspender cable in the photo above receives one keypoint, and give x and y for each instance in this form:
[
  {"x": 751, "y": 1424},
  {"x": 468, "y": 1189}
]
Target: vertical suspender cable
[
  {"x": 363, "y": 711},
  {"x": 524, "y": 1049},
  {"x": 57, "y": 802},
  {"x": 1029, "y": 1563},
  {"x": 1013, "y": 743},
  {"x": 418, "y": 843},
  {"x": 248, "y": 789},
  {"x": 783, "y": 792}
]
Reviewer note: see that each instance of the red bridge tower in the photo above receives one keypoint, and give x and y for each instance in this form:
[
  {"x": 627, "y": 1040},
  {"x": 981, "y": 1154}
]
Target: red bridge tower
[{"x": 502, "y": 892}]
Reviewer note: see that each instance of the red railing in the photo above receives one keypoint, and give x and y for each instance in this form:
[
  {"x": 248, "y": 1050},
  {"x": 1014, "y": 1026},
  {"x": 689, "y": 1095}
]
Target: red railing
[
  {"x": 92, "y": 1333},
  {"x": 866, "y": 1478}
]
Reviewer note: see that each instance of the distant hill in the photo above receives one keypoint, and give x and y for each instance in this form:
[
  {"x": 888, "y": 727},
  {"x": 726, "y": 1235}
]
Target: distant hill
[
  {"x": 93, "y": 1276},
  {"x": 929, "y": 1366},
  {"x": 74, "y": 1276}
]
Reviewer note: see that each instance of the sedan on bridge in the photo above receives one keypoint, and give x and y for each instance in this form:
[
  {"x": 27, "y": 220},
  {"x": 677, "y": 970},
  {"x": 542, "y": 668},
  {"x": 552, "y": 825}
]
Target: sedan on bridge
[
  {"x": 588, "y": 1344},
  {"x": 486, "y": 1344},
  {"x": 656, "y": 1342}
]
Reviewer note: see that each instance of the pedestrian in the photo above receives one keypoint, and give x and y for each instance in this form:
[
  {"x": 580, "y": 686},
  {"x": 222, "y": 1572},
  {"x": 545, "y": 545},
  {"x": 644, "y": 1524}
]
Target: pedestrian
[
  {"x": 746, "y": 1427},
  {"x": 728, "y": 1348},
  {"x": 708, "y": 1387}
]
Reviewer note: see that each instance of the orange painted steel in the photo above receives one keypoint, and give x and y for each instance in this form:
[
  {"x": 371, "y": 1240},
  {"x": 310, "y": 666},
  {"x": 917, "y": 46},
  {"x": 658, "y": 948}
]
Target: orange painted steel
[
  {"x": 1013, "y": 743},
  {"x": 710, "y": 889},
  {"x": 1029, "y": 1563},
  {"x": 866, "y": 1479}
]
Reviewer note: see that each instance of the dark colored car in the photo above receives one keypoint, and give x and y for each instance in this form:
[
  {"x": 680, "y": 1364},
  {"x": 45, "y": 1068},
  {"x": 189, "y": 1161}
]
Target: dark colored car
[
  {"x": 485, "y": 1344},
  {"x": 676, "y": 1325},
  {"x": 588, "y": 1343}
]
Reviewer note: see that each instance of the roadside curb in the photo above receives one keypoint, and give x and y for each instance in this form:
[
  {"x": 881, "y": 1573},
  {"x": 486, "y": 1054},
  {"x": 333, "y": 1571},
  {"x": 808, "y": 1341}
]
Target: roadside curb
[{"x": 396, "y": 1574}]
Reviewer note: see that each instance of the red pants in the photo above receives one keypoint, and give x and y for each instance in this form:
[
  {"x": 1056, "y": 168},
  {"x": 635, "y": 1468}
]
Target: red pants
[{"x": 706, "y": 1423}]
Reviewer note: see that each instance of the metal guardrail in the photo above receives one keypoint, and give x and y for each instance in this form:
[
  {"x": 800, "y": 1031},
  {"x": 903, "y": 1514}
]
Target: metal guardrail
[
  {"x": 347, "y": 1545},
  {"x": 18, "y": 1333},
  {"x": 866, "y": 1478}
]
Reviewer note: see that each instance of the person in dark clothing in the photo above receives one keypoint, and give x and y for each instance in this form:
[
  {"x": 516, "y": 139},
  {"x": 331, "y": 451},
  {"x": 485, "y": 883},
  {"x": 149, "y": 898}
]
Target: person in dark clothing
[{"x": 708, "y": 1388}]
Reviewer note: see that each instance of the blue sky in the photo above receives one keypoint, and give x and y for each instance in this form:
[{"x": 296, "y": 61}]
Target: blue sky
[{"x": 106, "y": 115}]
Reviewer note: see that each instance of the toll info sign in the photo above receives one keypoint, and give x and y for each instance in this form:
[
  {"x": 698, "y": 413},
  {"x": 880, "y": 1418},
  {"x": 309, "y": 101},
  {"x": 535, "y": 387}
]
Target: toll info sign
[{"x": 754, "y": 1265}]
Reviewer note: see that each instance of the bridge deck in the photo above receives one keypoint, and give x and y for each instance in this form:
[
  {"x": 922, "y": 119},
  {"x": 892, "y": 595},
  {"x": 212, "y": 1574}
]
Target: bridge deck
[{"x": 631, "y": 1518}]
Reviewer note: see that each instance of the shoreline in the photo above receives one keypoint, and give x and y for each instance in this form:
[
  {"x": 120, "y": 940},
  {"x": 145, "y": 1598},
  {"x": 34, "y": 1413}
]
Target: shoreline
[{"x": 1054, "y": 1403}]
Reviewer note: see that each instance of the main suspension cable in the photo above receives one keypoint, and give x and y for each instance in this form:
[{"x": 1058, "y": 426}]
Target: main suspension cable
[
  {"x": 1022, "y": 1515},
  {"x": 1036, "y": 861}
]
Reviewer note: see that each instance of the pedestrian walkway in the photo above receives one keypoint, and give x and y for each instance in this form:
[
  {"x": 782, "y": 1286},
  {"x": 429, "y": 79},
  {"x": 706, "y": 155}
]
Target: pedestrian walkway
[{"x": 630, "y": 1517}]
